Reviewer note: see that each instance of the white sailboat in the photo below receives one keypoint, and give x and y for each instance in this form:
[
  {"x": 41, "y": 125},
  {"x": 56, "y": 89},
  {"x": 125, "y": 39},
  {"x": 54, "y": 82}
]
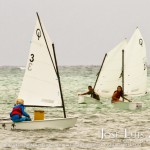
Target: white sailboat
[
  {"x": 109, "y": 74},
  {"x": 135, "y": 66},
  {"x": 41, "y": 85},
  {"x": 128, "y": 69}
]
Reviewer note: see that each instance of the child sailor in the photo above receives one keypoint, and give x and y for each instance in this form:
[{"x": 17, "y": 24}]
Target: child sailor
[{"x": 18, "y": 112}]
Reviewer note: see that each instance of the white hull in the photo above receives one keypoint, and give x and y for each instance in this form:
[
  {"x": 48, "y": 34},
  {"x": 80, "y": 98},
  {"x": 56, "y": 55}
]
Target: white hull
[
  {"x": 59, "y": 123},
  {"x": 128, "y": 106},
  {"x": 87, "y": 100}
]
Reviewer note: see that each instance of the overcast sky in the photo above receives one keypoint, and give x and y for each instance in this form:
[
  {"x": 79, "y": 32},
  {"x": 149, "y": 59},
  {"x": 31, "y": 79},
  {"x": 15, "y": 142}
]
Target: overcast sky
[{"x": 82, "y": 30}]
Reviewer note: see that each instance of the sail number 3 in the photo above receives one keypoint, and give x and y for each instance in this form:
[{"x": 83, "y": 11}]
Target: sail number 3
[{"x": 31, "y": 62}]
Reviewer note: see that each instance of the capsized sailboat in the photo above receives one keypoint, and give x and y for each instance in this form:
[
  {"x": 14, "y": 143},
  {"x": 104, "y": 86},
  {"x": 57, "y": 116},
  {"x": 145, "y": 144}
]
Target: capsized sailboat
[
  {"x": 131, "y": 72},
  {"x": 41, "y": 86}
]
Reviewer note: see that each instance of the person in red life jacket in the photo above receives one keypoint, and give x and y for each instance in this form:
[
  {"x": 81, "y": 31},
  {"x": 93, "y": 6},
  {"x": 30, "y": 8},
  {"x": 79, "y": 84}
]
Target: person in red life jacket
[
  {"x": 117, "y": 94},
  {"x": 18, "y": 112},
  {"x": 92, "y": 93}
]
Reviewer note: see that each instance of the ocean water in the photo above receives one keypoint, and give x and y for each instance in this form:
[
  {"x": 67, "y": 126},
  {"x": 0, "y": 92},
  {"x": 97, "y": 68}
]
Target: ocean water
[{"x": 99, "y": 126}]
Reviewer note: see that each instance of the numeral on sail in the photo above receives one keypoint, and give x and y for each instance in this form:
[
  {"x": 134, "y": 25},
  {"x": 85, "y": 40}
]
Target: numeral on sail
[
  {"x": 32, "y": 58},
  {"x": 30, "y": 64},
  {"x": 38, "y": 33},
  {"x": 29, "y": 67},
  {"x": 141, "y": 42}
]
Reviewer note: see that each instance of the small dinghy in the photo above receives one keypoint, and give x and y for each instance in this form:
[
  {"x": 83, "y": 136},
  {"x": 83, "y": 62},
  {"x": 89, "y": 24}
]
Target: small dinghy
[{"x": 41, "y": 86}]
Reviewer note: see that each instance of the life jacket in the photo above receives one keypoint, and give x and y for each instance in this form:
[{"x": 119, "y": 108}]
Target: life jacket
[{"x": 16, "y": 111}]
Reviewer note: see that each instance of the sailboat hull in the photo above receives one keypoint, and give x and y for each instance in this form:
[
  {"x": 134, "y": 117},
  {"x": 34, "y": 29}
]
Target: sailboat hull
[
  {"x": 128, "y": 106},
  {"x": 58, "y": 123}
]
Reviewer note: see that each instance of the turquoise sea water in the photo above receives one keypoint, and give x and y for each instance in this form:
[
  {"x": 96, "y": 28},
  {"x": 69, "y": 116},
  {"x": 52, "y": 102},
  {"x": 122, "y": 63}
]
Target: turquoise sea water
[{"x": 99, "y": 126}]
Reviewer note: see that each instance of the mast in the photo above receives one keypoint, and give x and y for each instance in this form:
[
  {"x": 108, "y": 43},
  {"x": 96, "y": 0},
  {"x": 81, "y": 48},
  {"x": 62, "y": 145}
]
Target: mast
[
  {"x": 100, "y": 70},
  {"x": 123, "y": 73},
  {"x": 63, "y": 105},
  {"x": 46, "y": 42}
]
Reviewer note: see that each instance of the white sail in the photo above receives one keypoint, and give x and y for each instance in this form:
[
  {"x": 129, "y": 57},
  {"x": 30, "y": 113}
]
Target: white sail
[
  {"x": 135, "y": 72},
  {"x": 40, "y": 85},
  {"x": 110, "y": 76}
]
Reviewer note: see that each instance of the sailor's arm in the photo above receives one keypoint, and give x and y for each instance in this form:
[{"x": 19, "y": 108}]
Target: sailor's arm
[
  {"x": 126, "y": 99},
  {"x": 24, "y": 113},
  {"x": 84, "y": 93}
]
